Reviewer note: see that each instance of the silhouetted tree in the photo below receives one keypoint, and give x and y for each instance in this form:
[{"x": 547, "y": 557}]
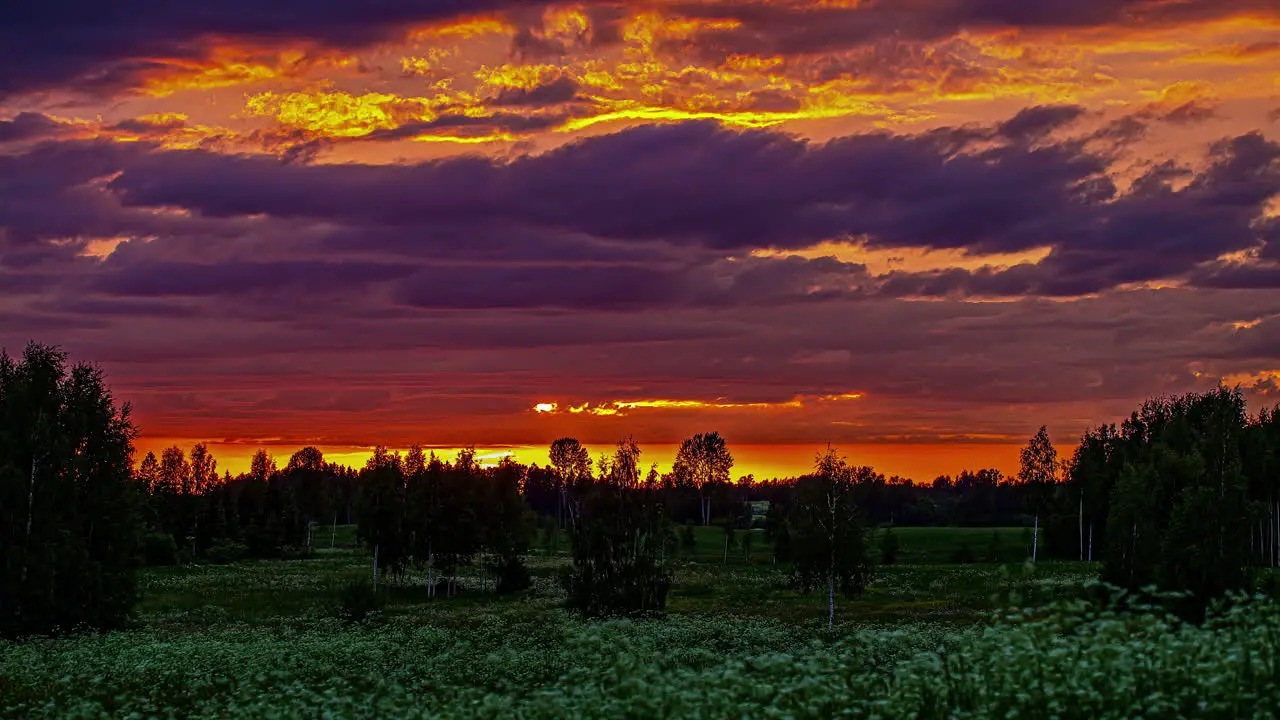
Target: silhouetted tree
[
  {"x": 573, "y": 468},
  {"x": 703, "y": 460},
  {"x": 382, "y": 512},
  {"x": 828, "y": 547},
  {"x": 506, "y": 533},
  {"x": 1038, "y": 473},
  {"x": 1180, "y": 509},
  {"x": 70, "y": 520},
  {"x": 616, "y": 544}
]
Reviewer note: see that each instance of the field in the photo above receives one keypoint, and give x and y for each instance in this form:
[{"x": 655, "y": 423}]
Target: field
[{"x": 263, "y": 640}]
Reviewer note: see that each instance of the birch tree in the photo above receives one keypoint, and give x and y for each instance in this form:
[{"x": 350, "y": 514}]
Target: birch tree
[
  {"x": 616, "y": 543},
  {"x": 828, "y": 547},
  {"x": 1039, "y": 473}
]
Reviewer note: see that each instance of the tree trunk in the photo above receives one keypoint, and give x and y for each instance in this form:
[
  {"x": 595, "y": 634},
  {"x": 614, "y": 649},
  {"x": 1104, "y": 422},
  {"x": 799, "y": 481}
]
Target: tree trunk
[
  {"x": 1081, "y": 523},
  {"x": 26, "y": 542},
  {"x": 726, "y": 549},
  {"x": 431, "y": 577},
  {"x": 1090, "y": 542},
  {"x": 375, "y": 566},
  {"x": 1035, "y": 538},
  {"x": 831, "y": 593},
  {"x": 333, "y": 537}
]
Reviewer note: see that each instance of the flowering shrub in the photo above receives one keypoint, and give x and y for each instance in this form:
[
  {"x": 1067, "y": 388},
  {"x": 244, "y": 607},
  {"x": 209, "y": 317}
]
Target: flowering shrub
[{"x": 1067, "y": 660}]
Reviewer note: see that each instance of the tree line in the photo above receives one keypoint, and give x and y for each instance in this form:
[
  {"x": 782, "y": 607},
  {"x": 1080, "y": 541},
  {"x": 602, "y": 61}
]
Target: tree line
[{"x": 1181, "y": 495}]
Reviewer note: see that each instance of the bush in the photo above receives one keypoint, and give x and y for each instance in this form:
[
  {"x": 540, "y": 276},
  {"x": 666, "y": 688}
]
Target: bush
[
  {"x": 159, "y": 548},
  {"x": 888, "y": 547},
  {"x": 224, "y": 552},
  {"x": 357, "y": 600},
  {"x": 688, "y": 542},
  {"x": 962, "y": 555},
  {"x": 512, "y": 576},
  {"x": 994, "y": 551}
]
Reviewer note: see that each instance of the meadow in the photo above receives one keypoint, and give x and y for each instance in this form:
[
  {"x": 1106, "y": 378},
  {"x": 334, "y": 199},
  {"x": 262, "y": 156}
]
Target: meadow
[{"x": 929, "y": 639}]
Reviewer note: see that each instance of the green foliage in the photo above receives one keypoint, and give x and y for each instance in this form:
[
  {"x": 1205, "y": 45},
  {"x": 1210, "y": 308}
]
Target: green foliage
[
  {"x": 222, "y": 552},
  {"x": 994, "y": 548},
  {"x": 827, "y": 544},
  {"x": 1067, "y": 660},
  {"x": 888, "y": 547},
  {"x": 688, "y": 541},
  {"x": 357, "y": 600},
  {"x": 159, "y": 549},
  {"x": 963, "y": 554},
  {"x": 506, "y": 527},
  {"x": 617, "y": 545},
  {"x": 70, "y": 511},
  {"x": 1180, "y": 510},
  {"x": 383, "y": 526}
]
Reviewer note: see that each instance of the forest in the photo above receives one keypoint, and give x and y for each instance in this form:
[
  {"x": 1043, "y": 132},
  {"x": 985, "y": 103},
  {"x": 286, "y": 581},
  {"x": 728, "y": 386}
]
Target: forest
[{"x": 421, "y": 585}]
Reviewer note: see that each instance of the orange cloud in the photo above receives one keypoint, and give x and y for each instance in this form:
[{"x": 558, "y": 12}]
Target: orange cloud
[{"x": 226, "y": 66}]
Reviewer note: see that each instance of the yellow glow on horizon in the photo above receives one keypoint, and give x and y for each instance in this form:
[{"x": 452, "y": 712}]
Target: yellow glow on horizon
[
  {"x": 920, "y": 461},
  {"x": 618, "y": 407}
]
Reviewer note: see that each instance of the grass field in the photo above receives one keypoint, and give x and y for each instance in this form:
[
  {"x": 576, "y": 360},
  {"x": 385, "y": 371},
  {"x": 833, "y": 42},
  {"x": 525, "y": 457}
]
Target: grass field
[{"x": 262, "y": 639}]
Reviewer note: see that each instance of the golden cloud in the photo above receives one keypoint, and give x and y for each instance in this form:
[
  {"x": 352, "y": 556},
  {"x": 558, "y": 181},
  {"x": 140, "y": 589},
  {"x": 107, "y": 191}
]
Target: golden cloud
[{"x": 621, "y": 407}]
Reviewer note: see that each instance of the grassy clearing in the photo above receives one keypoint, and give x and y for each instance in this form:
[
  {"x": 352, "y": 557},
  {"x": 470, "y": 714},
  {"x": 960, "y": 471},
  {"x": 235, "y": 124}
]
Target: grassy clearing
[{"x": 261, "y": 640}]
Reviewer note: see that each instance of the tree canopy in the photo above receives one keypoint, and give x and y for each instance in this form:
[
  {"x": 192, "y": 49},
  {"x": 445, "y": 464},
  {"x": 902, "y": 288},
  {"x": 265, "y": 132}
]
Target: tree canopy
[{"x": 70, "y": 520}]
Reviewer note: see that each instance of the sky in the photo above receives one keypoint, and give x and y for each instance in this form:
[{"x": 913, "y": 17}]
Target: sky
[{"x": 914, "y": 229}]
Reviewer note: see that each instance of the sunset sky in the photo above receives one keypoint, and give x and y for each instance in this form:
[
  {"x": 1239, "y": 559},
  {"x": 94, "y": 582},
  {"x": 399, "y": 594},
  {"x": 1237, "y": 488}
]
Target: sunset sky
[{"x": 916, "y": 229}]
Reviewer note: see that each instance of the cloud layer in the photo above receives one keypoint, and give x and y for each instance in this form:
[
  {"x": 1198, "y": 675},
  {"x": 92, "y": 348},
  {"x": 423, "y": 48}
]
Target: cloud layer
[{"x": 421, "y": 221}]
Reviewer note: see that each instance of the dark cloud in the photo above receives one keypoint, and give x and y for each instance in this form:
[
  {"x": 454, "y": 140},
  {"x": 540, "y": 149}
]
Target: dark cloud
[
  {"x": 801, "y": 28},
  {"x": 1238, "y": 276},
  {"x": 31, "y": 126},
  {"x": 1034, "y": 123},
  {"x": 186, "y": 279},
  {"x": 557, "y": 232},
  {"x": 691, "y": 183},
  {"x": 497, "y": 122},
  {"x": 46, "y": 192},
  {"x": 556, "y": 92},
  {"x": 149, "y": 125},
  {"x": 487, "y": 287},
  {"x": 104, "y": 45},
  {"x": 749, "y": 282},
  {"x": 699, "y": 185}
]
